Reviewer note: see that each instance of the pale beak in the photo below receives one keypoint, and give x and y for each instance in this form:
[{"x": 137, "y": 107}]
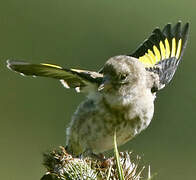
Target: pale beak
[{"x": 105, "y": 85}]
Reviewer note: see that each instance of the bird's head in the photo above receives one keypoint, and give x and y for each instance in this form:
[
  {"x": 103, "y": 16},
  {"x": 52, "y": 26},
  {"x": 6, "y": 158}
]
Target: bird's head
[
  {"x": 121, "y": 74},
  {"x": 125, "y": 78}
]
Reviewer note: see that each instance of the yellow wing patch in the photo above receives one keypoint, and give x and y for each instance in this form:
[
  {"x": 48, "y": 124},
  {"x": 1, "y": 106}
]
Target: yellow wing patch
[
  {"x": 179, "y": 48},
  {"x": 52, "y": 65},
  {"x": 167, "y": 49},
  {"x": 154, "y": 56},
  {"x": 78, "y": 70}
]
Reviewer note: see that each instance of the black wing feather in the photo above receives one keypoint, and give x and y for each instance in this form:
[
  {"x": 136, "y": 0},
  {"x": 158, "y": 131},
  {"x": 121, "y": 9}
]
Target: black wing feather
[
  {"x": 165, "y": 67},
  {"x": 184, "y": 35},
  {"x": 71, "y": 77}
]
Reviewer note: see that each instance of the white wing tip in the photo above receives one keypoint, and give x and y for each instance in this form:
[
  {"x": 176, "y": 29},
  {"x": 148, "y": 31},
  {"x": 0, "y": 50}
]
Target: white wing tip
[
  {"x": 9, "y": 65},
  {"x": 77, "y": 89},
  {"x": 64, "y": 83}
]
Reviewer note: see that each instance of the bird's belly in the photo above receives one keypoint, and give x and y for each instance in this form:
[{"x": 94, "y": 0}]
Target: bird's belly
[
  {"x": 125, "y": 131},
  {"x": 94, "y": 129}
]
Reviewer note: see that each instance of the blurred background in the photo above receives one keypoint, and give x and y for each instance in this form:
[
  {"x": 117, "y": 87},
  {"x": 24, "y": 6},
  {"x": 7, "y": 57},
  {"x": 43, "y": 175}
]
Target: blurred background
[{"x": 34, "y": 113}]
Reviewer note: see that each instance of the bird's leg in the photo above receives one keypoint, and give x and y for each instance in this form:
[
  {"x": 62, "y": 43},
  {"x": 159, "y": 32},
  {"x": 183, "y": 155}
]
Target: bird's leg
[
  {"x": 105, "y": 162},
  {"x": 89, "y": 152},
  {"x": 99, "y": 157}
]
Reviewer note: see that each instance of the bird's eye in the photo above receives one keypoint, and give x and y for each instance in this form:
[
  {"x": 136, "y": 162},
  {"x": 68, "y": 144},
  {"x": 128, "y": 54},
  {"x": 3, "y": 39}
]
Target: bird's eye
[{"x": 123, "y": 77}]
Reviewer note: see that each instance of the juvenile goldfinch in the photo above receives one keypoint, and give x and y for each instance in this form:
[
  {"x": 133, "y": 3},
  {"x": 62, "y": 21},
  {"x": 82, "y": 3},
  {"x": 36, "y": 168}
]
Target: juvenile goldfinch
[{"x": 120, "y": 97}]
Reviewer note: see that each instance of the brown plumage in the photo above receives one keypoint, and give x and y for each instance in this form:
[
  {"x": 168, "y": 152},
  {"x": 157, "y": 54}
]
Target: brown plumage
[{"x": 120, "y": 97}]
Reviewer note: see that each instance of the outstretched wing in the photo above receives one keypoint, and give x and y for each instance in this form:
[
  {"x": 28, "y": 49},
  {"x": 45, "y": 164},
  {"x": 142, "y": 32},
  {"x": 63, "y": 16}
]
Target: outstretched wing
[
  {"x": 70, "y": 78},
  {"x": 163, "y": 50}
]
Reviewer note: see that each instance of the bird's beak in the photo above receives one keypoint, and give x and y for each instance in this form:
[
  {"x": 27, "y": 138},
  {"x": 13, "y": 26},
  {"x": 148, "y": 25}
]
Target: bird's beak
[{"x": 105, "y": 85}]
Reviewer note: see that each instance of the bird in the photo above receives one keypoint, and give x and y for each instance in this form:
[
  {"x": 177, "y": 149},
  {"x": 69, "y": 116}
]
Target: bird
[{"x": 120, "y": 96}]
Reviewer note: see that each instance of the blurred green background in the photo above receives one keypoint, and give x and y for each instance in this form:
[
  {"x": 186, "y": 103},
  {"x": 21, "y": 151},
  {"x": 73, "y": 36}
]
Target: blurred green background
[{"x": 34, "y": 113}]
